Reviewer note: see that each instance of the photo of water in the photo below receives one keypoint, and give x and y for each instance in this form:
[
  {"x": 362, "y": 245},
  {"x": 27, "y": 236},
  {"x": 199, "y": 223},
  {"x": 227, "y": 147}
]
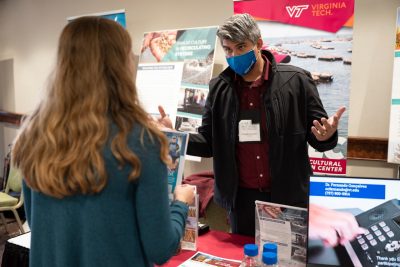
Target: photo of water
[{"x": 329, "y": 56}]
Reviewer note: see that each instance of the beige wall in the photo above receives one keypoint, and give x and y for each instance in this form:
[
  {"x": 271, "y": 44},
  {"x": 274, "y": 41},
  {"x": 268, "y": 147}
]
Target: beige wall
[
  {"x": 371, "y": 83},
  {"x": 29, "y": 31}
]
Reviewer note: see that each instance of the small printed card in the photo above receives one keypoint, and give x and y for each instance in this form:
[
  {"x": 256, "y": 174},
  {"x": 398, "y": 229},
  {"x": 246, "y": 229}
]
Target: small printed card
[{"x": 201, "y": 259}]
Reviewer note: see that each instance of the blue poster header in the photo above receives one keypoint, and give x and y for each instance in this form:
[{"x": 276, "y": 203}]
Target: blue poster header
[
  {"x": 115, "y": 15},
  {"x": 347, "y": 190}
]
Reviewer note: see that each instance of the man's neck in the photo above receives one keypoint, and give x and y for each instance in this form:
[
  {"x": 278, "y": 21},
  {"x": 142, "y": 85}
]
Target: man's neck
[{"x": 256, "y": 71}]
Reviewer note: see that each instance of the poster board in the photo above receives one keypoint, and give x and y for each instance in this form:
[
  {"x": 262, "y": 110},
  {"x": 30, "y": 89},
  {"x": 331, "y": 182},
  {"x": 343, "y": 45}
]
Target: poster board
[
  {"x": 175, "y": 67},
  {"x": 394, "y": 126}
]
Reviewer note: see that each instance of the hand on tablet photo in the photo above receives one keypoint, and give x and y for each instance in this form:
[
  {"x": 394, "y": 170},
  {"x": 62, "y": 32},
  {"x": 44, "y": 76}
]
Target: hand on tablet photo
[{"x": 331, "y": 226}]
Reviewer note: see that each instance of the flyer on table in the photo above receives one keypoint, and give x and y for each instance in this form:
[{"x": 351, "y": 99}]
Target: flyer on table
[
  {"x": 201, "y": 259},
  {"x": 286, "y": 226}
]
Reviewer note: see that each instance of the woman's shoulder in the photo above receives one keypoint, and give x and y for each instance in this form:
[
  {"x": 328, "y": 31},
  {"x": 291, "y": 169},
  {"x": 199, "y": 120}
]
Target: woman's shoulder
[
  {"x": 142, "y": 139},
  {"x": 139, "y": 138}
]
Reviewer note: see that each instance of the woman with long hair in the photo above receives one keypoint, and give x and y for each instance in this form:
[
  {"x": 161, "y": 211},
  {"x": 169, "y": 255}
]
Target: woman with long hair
[{"x": 94, "y": 163}]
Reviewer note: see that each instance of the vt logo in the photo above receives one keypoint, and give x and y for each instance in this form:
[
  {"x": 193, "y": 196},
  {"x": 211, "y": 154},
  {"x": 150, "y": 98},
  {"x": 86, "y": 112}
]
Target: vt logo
[{"x": 296, "y": 10}]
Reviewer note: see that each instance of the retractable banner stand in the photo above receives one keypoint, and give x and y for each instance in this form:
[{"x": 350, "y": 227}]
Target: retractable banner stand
[
  {"x": 315, "y": 35},
  {"x": 394, "y": 131},
  {"x": 115, "y": 15}
]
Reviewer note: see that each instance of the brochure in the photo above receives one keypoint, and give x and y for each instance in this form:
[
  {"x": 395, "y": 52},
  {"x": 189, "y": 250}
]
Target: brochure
[
  {"x": 177, "y": 150},
  {"x": 201, "y": 259},
  {"x": 287, "y": 227}
]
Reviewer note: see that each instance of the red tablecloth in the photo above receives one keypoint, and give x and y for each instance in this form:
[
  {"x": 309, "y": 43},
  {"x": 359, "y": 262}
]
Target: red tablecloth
[{"x": 221, "y": 244}]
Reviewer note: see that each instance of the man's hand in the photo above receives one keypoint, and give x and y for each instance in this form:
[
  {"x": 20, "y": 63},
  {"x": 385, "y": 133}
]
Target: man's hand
[
  {"x": 324, "y": 130},
  {"x": 164, "y": 120}
]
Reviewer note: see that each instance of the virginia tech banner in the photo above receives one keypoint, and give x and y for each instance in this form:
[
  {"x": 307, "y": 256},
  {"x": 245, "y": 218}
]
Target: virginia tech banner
[{"x": 316, "y": 35}]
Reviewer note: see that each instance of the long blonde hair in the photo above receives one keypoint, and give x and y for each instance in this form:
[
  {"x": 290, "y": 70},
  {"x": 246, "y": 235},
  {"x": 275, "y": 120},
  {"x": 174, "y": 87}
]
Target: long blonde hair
[{"x": 60, "y": 146}]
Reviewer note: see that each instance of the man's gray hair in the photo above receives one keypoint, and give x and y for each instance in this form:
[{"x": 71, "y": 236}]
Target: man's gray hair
[{"x": 239, "y": 28}]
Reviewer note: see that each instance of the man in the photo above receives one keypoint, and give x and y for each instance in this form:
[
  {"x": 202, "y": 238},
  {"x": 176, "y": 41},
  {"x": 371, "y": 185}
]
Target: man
[
  {"x": 202, "y": 100},
  {"x": 257, "y": 120}
]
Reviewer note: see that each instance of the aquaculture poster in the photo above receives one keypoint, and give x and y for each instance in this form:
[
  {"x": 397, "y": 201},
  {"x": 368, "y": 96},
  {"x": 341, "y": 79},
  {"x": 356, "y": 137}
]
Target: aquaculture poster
[
  {"x": 394, "y": 131},
  {"x": 175, "y": 67},
  {"x": 315, "y": 35}
]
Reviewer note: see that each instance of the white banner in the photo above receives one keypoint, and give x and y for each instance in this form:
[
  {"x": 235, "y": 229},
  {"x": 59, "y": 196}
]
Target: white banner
[{"x": 394, "y": 130}]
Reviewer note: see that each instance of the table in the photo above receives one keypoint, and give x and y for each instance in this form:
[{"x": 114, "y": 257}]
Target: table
[
  {"x": 221, "y": 244},
  {"x": 16, "y": 251}
]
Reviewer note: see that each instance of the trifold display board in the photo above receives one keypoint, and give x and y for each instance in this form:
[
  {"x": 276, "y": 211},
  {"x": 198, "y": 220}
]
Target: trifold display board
[{"x": 376, "y": 206}]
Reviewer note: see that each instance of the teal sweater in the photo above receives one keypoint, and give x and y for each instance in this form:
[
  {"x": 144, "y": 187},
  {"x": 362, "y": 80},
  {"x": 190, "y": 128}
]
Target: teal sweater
[{"x": 127, "y": 224}]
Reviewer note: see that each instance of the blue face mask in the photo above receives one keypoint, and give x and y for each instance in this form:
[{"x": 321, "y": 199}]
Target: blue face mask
[{"x": 242, "y": 64}]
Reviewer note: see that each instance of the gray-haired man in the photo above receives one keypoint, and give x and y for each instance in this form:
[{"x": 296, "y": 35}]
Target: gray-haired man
[{"x": 258, "y": 118}]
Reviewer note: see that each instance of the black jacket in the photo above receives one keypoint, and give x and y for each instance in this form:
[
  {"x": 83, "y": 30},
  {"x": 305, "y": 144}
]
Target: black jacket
[{"x": 291, "y": 104}]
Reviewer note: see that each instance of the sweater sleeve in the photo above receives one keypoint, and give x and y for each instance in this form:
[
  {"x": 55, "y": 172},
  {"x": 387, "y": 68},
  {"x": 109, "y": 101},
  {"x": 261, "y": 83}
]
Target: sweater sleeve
[
  {"x": 161, "y": 226},
  {"x": 27, "y": 201}
]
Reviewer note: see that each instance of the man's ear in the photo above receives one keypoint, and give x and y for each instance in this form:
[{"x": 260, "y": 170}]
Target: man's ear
[{"x": 260, "y": 43}]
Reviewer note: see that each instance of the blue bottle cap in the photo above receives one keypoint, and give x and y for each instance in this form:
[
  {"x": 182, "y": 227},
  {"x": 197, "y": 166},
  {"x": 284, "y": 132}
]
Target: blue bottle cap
[
  {"x": 250, "y": 250},
  {"x": 270, "y": 247},
  {"x": 269, "y": 258}
]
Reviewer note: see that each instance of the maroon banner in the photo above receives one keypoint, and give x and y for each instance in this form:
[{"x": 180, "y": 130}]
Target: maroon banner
[{"x": 323, "y": 15}]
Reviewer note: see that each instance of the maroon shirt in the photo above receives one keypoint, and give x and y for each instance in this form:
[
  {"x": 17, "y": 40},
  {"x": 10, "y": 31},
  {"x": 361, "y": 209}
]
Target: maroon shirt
[{"x": 253, "y": 158}]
